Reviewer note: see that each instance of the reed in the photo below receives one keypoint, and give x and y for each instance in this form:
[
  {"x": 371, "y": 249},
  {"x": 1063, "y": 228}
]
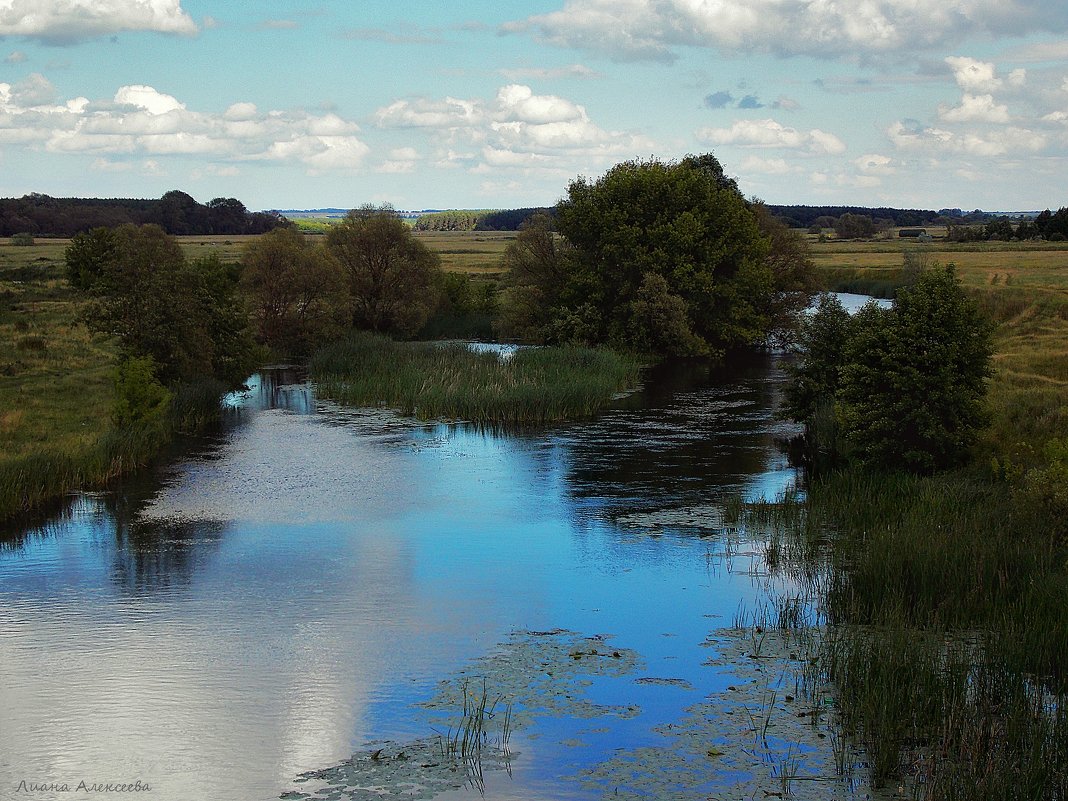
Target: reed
[{"x": 451, "y": 381}]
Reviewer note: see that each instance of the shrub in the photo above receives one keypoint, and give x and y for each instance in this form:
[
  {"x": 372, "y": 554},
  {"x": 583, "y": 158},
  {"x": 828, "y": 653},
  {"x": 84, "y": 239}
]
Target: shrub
[
  {"x": 140, "y": 399},
  {"x": 22, "y": 239},
  {"x": 914, "y": 380}
]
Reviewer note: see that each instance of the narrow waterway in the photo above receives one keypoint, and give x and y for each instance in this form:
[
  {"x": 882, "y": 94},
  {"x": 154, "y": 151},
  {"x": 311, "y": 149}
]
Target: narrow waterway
[{"x": 297, "y": 585}]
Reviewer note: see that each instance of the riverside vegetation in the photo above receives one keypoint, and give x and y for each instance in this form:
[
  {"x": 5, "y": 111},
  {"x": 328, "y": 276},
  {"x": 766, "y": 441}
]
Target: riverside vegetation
[{"x": 945, "y": 591}]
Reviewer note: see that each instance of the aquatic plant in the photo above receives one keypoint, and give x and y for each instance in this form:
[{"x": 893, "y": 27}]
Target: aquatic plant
[{"x": 431, "y": 380}]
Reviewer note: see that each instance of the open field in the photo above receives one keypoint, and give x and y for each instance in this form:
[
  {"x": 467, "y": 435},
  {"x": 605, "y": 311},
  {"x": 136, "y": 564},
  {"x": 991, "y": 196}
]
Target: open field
[{"x": 477, "y": 253}]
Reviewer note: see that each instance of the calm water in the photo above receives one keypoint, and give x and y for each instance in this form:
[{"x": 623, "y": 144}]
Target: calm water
[{"x": 286, "y": 592}]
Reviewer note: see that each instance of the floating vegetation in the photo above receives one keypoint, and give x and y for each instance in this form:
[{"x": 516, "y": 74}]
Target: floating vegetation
[
  {"x": 531, "y": 675},
  {"x": 769, "y": 734}
]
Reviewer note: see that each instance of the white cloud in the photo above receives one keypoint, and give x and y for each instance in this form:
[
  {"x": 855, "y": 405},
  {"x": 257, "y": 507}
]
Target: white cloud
[
  {"x": 15, "y": 57},
  {"x": 447, "y": 113},
  {"x": 756, "y": 164},
  {"x": 148, "y": 99},
  {"x": 875, "y": 164},
  {"x": 973, "y": 75},
  {"x": 769, "y": 133},
  {"x": 141, "y": 120},
  {"x": 550, "y": 73},
  {"x": 65, "y": 21},
  {"x": 654, "y": 29},
  {"x": 516, "y": 129},
  {"x": 997, "y": 142},
  {"x": 975, "y": 108}
]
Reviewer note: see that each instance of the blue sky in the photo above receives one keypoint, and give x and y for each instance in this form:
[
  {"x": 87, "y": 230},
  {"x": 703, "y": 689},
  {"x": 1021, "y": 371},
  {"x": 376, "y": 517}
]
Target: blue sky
[{"x": 962, "y": 103}]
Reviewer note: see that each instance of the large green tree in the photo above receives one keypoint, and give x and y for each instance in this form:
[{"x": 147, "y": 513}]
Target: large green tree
[
  {"x": 666, "y": 257},
  {"x": 296, "y": 291},
  {"x": 913, "y": 385},
  {"x": 183, "y": 315},
  {"x": 394, "y": 280}
]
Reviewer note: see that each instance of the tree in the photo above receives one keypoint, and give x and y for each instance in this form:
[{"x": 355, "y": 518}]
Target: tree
[
  {"x": 535, "y": 275},
  {"x": 674, "y": 220},
  {"x": 394, "y": 279},
  {"x": 854, "y": 226},
  {"x": 913, "y": 382},
  {"x": 296, "y": 290},
  {"x": 184, "y": 316},
  {"x": 88, "y": 255}
]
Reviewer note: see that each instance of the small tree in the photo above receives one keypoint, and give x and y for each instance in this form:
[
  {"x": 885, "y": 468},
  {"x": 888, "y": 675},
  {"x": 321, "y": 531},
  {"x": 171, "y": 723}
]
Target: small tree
[
  {"x": 394, "y": 279},
  {"x": 912, "y": 388}
]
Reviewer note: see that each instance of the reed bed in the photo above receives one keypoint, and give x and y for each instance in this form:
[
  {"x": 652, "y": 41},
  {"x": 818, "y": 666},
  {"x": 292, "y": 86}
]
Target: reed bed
[
  {"x": 451, "y": 381},
  {"x": 946, "y": 601}
]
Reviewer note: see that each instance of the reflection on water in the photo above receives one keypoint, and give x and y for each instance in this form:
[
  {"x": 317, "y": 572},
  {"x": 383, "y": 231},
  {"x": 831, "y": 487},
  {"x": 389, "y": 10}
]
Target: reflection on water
[{"x": 270, "y": 603}]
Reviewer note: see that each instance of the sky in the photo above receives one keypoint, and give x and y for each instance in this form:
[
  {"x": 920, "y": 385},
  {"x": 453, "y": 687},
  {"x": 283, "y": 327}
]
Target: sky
[{"x": 476, "y": 104}]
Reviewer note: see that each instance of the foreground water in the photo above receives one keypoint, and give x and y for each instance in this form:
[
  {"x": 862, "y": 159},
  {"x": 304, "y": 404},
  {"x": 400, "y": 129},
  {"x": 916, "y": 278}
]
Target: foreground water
[{"x": 300, "y": 583}]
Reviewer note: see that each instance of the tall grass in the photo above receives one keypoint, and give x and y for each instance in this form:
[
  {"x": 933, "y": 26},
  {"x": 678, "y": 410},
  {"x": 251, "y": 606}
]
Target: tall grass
[
  {"x": 46, "y": 474},
  {"x": 429, "y": 380},
  {"x": 947, "y": 603}
]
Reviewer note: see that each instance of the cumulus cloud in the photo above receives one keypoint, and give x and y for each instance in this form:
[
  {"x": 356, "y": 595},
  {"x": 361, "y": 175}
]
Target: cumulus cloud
[
  {"x": 874, "y": 164},
  {"x": 756, "y": 164},
  {"x": 654, "y": 29},
  {"x": 67, "y": 21},
  {"x": 15, "y": 57},
  {"x": 769, "y": 133},
  {"x": 909, "y": 135},
  {"x": 140, "y": 120},
  {"x": 973, "y": 75},
  {"x": 517, "y": 128},
  {"x": 975, "y": 108}
]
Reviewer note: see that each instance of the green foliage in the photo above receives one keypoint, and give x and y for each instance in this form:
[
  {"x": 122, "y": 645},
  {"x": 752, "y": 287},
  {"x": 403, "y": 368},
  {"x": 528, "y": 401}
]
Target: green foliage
[
  {"x": 88, "y": 255},
  {"x": 1046, "y": 488},
  {"x": 811, "y": 393},
  {"x": 394, "y": 279},
  {"x": 907, "y": 384},
  {"x": 674, "y": 220},
  {"x": 140, "y": 399},
  {"x": 913, "y": 382},
  {"x": 429, "y": 380},
  {"x": 185, "y": 316},
  {"x": 454, "y": 220},
  {"x": 22, "y": 239},
  {"x": 854, "y": 226},
  {"x": 296, "y": 291},
  {"x": 654, "y": 255}
]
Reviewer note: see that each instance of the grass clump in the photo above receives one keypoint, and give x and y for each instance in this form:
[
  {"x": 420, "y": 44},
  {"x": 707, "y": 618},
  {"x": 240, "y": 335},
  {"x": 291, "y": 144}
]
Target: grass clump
[{"x": 429, "y": 380}]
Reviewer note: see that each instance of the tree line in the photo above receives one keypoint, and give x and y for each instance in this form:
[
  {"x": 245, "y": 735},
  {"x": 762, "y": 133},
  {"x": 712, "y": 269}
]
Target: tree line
[{"x": 176, "y": 213}]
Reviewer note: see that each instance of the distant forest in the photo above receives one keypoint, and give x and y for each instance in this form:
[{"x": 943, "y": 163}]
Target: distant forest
[
  {"x": 176, "y": 212},
  {"x": 793, "y": 216}
]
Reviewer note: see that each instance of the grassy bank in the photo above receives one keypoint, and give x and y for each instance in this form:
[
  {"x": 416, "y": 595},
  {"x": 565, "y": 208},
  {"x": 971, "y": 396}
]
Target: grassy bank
[
  {"x": 947, "y": 596},
  {"x": 453, "y": 382},
  {"x": 57, "y": 386}
]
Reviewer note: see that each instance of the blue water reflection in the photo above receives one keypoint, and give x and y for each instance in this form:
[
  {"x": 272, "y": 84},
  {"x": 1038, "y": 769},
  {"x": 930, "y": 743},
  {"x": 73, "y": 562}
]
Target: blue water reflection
[{"x": 284, "y": 594}]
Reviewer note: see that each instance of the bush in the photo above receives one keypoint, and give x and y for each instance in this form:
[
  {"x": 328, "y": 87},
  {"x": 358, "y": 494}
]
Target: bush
[
  {"x": 914, "y": 379},
  {"x": 907, "y": 384},
  {"x": 140, "y": 399},
  {"x": 22, "y": 239}
]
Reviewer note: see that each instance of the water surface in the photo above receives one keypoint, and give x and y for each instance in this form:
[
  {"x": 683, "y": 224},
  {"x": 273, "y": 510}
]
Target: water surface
[{"x": 290, "y": 589}]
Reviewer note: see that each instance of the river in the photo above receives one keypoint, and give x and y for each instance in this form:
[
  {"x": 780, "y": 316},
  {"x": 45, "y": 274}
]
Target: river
[{"x": 293, "y": 586}]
